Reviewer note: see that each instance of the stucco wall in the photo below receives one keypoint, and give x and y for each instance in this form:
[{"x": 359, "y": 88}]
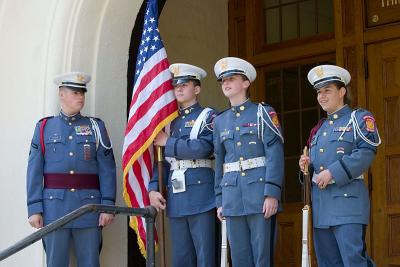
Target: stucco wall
[
  {"x": 196, "y": 32},
  {"x": 39, "y": 39}
]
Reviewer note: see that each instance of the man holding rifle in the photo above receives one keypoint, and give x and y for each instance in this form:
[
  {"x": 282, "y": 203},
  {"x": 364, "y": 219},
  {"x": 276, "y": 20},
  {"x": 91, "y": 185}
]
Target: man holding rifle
[{"x": 342, "y": 148}]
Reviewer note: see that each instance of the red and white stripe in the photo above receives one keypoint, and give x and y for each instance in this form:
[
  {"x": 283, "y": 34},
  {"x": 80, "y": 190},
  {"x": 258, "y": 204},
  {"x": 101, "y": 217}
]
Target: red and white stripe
[{"x": 153, "y": 106}]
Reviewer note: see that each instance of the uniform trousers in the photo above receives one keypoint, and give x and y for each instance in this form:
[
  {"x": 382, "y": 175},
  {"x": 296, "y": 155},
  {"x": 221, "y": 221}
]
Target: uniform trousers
[
  {"x": 251, "y": 240},
  {"x": 193, "y": 240},
  {"x": 87, "y": 243},
  {"x": 341, "y": 246}
]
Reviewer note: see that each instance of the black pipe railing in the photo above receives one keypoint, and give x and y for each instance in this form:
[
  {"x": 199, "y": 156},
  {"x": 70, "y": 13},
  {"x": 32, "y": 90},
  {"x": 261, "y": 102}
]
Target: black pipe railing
[{"x": 149, "y": 213}]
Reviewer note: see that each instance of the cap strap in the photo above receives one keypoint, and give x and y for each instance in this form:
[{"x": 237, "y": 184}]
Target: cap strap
[{"x": 330, "y": 78}]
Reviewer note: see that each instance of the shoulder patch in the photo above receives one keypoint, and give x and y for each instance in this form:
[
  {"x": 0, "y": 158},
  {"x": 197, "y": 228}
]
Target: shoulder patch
[
  {"x": 370, "y": 123},
  {"x": 274, "y": 118}
]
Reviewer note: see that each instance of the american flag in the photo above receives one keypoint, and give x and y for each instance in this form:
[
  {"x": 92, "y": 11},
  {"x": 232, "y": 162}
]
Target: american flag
[{"x": 153, "y": 106}]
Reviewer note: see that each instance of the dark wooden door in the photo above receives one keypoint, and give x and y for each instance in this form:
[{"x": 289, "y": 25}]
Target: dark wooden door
[{"x": 384, "y": 101}]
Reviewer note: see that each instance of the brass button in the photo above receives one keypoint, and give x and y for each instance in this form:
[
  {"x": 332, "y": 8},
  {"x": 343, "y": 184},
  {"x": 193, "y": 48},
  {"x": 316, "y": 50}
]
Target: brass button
[
  {"x": 321, "y": 168},
  {"x": 183, "y": 117},
  {"x": 243, "y": 174},
  {"x": 71, "y": 153},
  {"x": 324, "y": 133},
  {"x": 71, "y": 172},
  {"x": 54, "y": 141},
  {"x": 180, "y": 130},
  {"x": 70, "y": 137},
  {"x": 86, "y": 140},
  {"x": 251, "y": 132},
  {"x": 187, "y": 111},
  {"x": 51, "y": 197},
  {"x": 199, "y": 182},
  {"x": 237, "y": 128},
  {"x": 237, "y": 114},
  {"x": 261, "y": 179},
  {"x": 321, "y": 150},
  {"x": 239, "y": 143},
  {"x": 69, "y": 123},
  {"x": 72, "y": 190},
  {"x": 226, "y": 184},
  {"x": 330, "y": 122},
  {"x": 345, "y": 194},
  {"x": 242, "y": 108},
  {"x": 241, "y": 158},
  {"x": 335, "y": 116},
  {"x": 91, "y": 196}
]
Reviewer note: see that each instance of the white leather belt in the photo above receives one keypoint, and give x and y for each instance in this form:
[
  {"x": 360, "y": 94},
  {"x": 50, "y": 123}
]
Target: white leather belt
[
  {"x": 314, "y": 178},
  {"x": 243, "y": 165},
  {"x": 189, "y": 163}
]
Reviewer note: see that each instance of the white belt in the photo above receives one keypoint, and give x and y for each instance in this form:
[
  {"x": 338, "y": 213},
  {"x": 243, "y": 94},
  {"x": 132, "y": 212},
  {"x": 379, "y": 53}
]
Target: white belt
[
  {"x": 243, "y": 165},
  {"x": 189, "y": 163},
  {"x": 314, "y": 178}
]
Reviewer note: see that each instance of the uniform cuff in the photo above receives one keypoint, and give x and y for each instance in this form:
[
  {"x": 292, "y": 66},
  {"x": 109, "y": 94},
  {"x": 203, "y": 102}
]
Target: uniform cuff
[
  {"x": 339, "y": 173},
  {"x": 272, "y": 190},
  {"x": 107, "y": 202},
  {"x": 153, "y": 187},
  {"x": 218, "y": 201},
  {"x": 170, "y": 150},
  {"x": 36, "y": 208}
]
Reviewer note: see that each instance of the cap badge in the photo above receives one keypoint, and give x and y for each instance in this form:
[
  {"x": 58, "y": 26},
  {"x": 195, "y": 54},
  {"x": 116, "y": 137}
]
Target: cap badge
[
  {"x": 319, "y": 71},
  {"x": 175, "y": 70},
  {"x": 80, "y": 78},
  {"x": 224, "y": 64}
]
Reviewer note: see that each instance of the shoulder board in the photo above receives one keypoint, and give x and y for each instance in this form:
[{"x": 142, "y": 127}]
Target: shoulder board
[
  {"x": 361, "y": 109},
  {"x": 95, "y": 118},
  {"x": 222, "y": 111},
  {"x": 264, "y": 104},
  {"x": 212, "y": 109},
  {"x": 49, "y": 117},
  {"x": 361, "y": 112}
]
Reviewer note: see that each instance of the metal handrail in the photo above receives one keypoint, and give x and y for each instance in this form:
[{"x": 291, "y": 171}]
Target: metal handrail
[{"x": 149, "y": 213}]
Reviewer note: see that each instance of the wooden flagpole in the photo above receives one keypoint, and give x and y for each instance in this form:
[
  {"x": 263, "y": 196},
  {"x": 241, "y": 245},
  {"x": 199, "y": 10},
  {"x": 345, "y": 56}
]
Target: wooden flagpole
[{"x": 161, "y": 189}]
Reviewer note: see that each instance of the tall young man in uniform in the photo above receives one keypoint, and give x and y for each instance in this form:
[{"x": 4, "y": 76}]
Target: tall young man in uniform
[
  {"x": 342, "y": 148},
  {"x": 190, "y": 199},
  {"x": 248, "y": 146},
  {"x": 71, "y": 163}
]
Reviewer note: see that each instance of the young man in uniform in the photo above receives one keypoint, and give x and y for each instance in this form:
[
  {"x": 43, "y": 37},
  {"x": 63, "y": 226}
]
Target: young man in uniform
[
  {"x": 190, "y": 201},
  {"x": 249, "y": 167},
  {"x": 342, "y": 148},
  {"x": 71, "y": 164}
]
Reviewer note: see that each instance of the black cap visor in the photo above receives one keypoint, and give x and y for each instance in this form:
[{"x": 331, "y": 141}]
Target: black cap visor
[
  {"x": 230, "y": 73},
  {"x": 327, "y": 81},
  {"x": 183, "y": 79}
]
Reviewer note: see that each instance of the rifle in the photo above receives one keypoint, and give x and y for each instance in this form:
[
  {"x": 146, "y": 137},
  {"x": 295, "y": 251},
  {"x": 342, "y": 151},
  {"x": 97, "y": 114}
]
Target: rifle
[
  {"x": 307, "y": 241},
  {"x": 224, "y": 245}
]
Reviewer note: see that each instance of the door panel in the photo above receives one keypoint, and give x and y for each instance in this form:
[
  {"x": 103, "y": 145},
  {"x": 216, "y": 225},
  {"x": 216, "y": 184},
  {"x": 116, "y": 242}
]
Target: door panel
[
  {"x": 384, "y": 102},
  {"x": 286, "y": 88}
]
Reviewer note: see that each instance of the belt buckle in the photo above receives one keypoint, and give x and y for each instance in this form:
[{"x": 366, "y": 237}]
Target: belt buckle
[
  {"x": 240, "y": 165},
  {"x": 194, "y": 164}
]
